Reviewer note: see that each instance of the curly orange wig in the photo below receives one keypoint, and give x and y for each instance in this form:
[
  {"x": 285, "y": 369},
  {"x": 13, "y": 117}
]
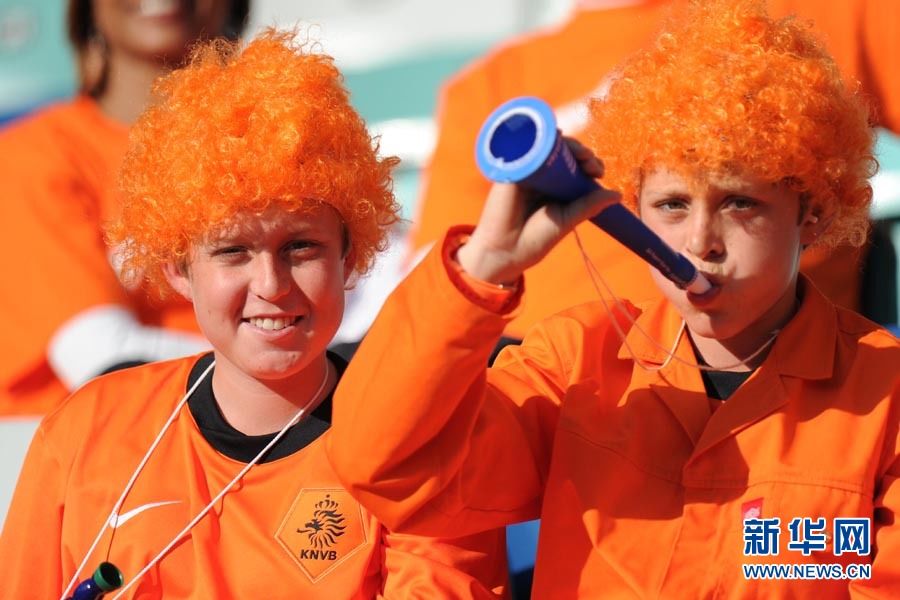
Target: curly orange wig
[
  {"x": 241, "y": 129},
  {"x": 728, "y": 88}
]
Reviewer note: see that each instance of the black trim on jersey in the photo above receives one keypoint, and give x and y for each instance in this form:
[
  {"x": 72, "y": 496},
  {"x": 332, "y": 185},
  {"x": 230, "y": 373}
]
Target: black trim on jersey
[
  {"x": 127, "y": 364},
  {"x": 238, "y": 446},
  {"x": 720, "y": 385}
]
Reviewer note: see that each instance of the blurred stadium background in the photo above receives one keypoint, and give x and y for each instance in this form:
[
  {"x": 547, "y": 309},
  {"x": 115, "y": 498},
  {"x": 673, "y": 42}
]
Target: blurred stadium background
[{"x": 395, "y": 54}]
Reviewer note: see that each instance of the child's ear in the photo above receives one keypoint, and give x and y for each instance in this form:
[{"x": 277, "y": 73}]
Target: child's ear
[
  {"x": 178, "y": 277},
  {"x": 811, "y": 227},
  {"x": 348, "y": 268}
]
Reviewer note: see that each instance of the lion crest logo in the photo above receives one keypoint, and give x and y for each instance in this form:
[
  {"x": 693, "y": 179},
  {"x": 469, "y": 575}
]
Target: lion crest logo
[
  {"x": 326, "y": 525},
  {"x": 322, "y": 529}
]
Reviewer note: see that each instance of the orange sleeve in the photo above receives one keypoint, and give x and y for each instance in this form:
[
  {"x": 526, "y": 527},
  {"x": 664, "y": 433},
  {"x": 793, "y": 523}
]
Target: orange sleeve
[
  {"x": 54, "y": 261},
  {"x": 495, "y": 298},
  {"x": 457, "y": 448},
  {"x": 885, "y": 581},
  {"x": 30, "y": 547},
  {"x": 467, "y": 568}
]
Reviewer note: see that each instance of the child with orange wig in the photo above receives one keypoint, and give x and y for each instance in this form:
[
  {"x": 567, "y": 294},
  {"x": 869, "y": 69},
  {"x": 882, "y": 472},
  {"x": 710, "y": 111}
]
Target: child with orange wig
[
  {"x": 253, "y": 189},
  {"x": 673, "y": 449}
]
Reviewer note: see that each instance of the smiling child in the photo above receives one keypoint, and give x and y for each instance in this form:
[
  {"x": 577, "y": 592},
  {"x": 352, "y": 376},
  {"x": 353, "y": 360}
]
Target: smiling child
[{"x": 252, "y": 189}]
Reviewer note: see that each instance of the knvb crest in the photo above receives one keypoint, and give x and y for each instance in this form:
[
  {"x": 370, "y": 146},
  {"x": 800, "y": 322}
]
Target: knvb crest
[
  {"x": 325, "y": 527},
  {"x": 322, "y": 528}
]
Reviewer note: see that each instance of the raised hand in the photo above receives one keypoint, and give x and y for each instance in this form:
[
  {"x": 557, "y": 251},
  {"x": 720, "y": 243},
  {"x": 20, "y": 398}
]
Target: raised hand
[{"x": 518, "y": 228}]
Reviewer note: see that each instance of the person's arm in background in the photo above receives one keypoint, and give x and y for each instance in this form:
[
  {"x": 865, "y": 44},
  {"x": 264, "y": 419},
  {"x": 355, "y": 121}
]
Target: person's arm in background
[
  {"x": 56, "y": 268},
  {"x": 465, "y": 568},
  {"x": 78, "y": 316},
  {"x": 104, "y": 338}
]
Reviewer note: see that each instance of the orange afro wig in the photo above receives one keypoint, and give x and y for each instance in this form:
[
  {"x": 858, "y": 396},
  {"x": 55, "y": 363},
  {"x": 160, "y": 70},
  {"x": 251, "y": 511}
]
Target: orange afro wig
[
  {"x": 727, "y": 88},
  {"x": 241, "y": 129}
]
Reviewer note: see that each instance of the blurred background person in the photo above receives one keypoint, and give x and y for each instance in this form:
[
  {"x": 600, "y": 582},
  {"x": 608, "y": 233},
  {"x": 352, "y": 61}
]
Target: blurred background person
[{"x": 67, "y": 315}]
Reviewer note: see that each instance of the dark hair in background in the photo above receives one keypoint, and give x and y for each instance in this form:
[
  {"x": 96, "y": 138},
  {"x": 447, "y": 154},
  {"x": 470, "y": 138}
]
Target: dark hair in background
[{"x": 81, "y": 32}]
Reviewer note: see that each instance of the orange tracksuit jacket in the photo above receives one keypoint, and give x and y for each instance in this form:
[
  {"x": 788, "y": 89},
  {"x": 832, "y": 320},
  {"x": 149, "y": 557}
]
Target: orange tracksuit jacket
[
  {"x": 567, "y": 64},
  {"x": 640, "y": 481},
  {"x": 256, "y": 543},
  {"x": 57, "y": 182}
]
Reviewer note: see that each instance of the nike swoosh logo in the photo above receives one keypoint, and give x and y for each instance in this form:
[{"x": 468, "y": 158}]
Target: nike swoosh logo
[{"x": 118, "y": 521}]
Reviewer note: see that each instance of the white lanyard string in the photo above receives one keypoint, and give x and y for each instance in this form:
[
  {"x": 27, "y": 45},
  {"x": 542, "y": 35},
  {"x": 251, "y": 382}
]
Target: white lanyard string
[
  {"x": 115, "y": 511},
  {"x": 595, "y": 276},
  {"x": 114, "y": 514}
]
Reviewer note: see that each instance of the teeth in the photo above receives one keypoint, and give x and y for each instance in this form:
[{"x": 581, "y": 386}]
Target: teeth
[
  {"x": 156, "y": 8},
  {"x": 272, "y": 324}
]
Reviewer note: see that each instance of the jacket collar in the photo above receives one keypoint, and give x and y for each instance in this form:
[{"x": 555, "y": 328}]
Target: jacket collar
[
  {"x": 654, "y": 333},
  {"x": 679, "y": 385}
]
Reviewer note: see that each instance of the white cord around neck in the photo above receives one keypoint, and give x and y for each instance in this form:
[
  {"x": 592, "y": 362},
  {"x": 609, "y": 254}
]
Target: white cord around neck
[
  {"x": 118, "y": 505},
  {"x": 595, "y": 275}
]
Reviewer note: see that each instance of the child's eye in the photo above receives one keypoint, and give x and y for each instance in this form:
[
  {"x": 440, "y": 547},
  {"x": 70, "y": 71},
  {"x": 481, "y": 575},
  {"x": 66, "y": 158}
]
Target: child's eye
[
  {"x": 301, "y": 244},
  {"x": 229, "y": 251},
  {"x": 302, "y": 248},
  {"x": 671, "y": 204},
  {"x": 742, "y": 203}
]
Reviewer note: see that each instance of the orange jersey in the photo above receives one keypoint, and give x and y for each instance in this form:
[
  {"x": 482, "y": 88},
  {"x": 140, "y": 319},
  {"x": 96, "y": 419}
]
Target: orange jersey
[
  {"x": 58, "y": 177},
  {"x": 640, "y": 480},
  {"x": 287, "y": 530},
  {"x": 566, "y": 65}
]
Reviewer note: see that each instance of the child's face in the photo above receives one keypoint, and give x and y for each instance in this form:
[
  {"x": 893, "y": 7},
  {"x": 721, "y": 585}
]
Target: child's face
[
  {"x": 268, "y": 291},
  {"x": 744, "y": 235}
]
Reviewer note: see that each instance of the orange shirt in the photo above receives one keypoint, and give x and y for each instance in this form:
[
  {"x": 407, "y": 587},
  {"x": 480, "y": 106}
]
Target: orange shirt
[
  {"x": 640, "y": 486},
  {"x": 567, "y": 64},
  {"x": 268, "y": 538},
  {"x": 57, "y": 180}
]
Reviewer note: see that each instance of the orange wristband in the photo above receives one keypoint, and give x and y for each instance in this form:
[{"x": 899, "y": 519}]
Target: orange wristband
[{"x": 495, "y": 298}]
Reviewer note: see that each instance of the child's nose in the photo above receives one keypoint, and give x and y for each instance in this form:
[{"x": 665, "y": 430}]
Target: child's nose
[
  {"x": 271, "y": 280},
  {"x": 705, "y": 239}
]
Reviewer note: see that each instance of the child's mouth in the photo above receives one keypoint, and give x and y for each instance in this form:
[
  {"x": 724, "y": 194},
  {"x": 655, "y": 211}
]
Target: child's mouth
[
  {"x": 272, "y": 324},
  {"x": 159, "y": 8},
  {"x": 709, "y": 295}
]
